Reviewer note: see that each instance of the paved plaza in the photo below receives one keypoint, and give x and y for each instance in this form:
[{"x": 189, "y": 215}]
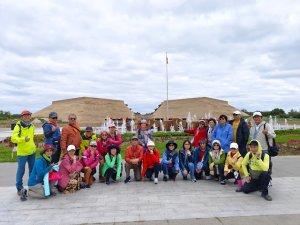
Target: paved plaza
[{"x": 180, "y": 202}]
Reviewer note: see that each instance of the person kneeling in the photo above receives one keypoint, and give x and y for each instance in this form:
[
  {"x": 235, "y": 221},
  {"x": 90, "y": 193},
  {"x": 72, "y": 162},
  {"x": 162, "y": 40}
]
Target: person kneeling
[
  {"x": 255, "y": 167},
  {"x": 37, "y": 183},
  {"x": 113, "y": 165},
  {"x": 170, "y": 161},
  {"x": 89, "y": 160},
  {"x": 69, "y": 170},
  {"x": 151, "y": 162}
]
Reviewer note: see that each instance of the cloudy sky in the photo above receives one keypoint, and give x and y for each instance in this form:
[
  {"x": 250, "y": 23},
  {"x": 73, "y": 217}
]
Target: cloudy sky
[{"x": 245, "y": 52}]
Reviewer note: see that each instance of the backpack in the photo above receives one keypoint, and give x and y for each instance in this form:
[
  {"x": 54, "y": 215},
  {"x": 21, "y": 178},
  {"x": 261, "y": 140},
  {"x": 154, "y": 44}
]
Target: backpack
[{"x": 272, "y": 150}]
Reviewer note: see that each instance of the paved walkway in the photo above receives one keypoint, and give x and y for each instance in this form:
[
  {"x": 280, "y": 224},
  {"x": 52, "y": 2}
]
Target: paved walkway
[{"x": 180, "y": 202}]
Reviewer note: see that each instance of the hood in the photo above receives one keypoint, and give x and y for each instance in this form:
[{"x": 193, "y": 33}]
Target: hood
[{"x": 259, "y": 145}]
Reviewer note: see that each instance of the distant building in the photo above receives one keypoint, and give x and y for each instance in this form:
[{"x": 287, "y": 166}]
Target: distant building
[
  {"x": 201, "y": 107},
  {"x": 89, "y": 111}
]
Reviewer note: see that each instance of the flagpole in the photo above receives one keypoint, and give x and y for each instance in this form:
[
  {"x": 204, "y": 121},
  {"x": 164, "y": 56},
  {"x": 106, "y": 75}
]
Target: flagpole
[{"x": 167, "y": 75}]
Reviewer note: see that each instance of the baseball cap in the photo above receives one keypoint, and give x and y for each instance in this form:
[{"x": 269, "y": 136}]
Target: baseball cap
[
  {"x": 52, "y": 114},
  {"x": 93, "y": 143},
  {"x": 257, "y": 114},
  {"x": 25, "y": 112},
  {"x": 134, "y": 138},
  {"x": 234, "y": 145},
  {"x": 89, "y": 129},
  {"x": 237, "y": 112},
  {"x": 150, "y": 143},
  {"x": 71, "y": 147}
]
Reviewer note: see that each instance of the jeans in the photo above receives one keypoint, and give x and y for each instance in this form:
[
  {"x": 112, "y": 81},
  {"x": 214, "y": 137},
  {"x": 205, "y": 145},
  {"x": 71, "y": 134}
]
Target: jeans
[
  {"x": 168, "y": 170},
  {"x": 21, "y": 168},
  {"x": 191, "y": 170}
]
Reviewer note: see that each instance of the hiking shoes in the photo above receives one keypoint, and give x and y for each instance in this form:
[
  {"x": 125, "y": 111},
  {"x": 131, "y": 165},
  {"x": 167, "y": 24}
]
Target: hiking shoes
[
  {"x": 166, "y": 178},
  {"x": 193, "y": 180},
  {"x": 223, "y": 182},
  {"x": 267, "y": 197},
  {"x": 23, "y": 195},
  {"x": 155, "y": 180},
  {"x": 128, "y": 179}
]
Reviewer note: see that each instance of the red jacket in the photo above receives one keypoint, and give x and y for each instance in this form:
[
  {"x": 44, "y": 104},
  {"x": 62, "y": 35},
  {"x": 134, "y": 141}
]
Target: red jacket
[
  {"x": 149, "y": 160},
  {"x": 115, "y": 139},
  {"x": 134, "y": 154},
  {"x": 102, "y": 147},
  {"x": 198, "y": 135}
]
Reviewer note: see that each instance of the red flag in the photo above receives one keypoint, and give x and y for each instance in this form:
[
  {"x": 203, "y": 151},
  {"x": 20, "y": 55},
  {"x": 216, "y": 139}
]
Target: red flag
[{"x": 167, "y": 61}]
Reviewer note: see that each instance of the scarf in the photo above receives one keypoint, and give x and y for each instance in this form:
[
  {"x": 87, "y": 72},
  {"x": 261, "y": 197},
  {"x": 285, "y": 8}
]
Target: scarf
[{"x": 48, "y": 159}]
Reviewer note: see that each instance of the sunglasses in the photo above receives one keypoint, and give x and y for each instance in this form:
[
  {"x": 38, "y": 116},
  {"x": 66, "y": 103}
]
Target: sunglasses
[
  {"x": 104, "y": 135},
  {"x": 72, "y": 118},
  {"x": 216, "y": 145},
  {"x": 94, "y": 146},
  {"x": 55, "y": 118}
]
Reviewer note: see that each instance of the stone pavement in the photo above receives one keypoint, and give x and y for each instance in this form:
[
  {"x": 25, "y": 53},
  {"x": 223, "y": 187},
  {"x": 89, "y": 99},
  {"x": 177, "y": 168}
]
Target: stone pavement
[{"x": 203, "y": 202}]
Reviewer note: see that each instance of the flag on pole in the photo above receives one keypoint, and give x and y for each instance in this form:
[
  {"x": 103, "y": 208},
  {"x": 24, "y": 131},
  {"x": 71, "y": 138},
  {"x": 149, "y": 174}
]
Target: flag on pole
[{"x": 167, "y": 61}]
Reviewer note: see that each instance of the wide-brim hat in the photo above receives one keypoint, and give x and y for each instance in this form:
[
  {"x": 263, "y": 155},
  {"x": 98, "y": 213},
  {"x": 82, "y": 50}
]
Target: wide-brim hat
[
  {"x": 112, "y": 147},
  {"x": 170, "y": 143}
]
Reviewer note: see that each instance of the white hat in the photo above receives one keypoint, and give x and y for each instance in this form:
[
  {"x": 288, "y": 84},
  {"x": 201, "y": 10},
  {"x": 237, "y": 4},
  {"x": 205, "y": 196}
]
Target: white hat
[
  {"x": 237, "y": 112},
  {"x": 216, "y": 141},
  {"x": 257, "y": 114},
  {"x": 234, "y": 145},
  {"x": 112, "y": 125},
  {"x": 93, "y": 143},
  {"x": 150, "y": 143},
  {"x": 71, "y": 147}
]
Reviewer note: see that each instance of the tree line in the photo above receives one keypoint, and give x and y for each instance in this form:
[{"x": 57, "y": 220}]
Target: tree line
[{"x": 278, "y": 112}]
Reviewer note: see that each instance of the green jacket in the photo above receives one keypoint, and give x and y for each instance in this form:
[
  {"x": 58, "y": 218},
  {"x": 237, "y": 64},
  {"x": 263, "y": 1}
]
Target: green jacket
[
  {"x": 220, "y": 161},
  {"x": 85, "y": 142},
  {"x": 110, "y": 163},
  {"x": 18, "y": 137}
]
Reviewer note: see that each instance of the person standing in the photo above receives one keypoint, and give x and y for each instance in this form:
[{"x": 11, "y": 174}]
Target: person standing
[
  {"x": 23, "y": 136},
  {"x": 52, "y": 135},
  {"x": 240, "y": 132},
  {"x": 114, "y": 136},
  {"x": 144, "y": 134},
  {"x": 260, "y": 130},
  {"x": 71, "y": 135},
  {"x": 133, "y": 160},
  {"x": 209, "y": 130},
  {"x": 223, "y": 133},
  {"x": 87, "y": 137},
  {"x": 199, "y": 133}
]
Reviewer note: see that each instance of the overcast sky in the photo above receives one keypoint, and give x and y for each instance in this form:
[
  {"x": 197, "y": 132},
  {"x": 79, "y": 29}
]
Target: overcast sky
[{"x": 245, "y": 52}]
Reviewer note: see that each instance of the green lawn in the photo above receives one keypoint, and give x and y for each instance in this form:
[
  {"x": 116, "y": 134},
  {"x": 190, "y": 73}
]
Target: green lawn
[{"x": 286, "y": 138}]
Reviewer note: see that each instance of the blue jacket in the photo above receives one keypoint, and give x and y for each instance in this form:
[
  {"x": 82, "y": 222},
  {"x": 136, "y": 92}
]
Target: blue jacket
[
  {"x": 197, "y": 156},
  {"x": 184, "y": 159},
  {"x": 168, "y": 155},
  {"x": 40, "y": 168},
  {"x": 52, "y": 138},
  {"x": 224, "y": 134}
]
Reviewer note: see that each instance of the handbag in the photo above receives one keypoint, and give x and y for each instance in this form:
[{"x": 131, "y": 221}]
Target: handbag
[{"x": 272, "y": 150}]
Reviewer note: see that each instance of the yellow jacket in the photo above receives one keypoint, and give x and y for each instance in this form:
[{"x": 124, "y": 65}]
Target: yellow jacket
[
  {"x": 18, "y": 137},
  {"x": 85, "y": 142},
  {"x": 236, "y": 165},
  {"x": 254, "y": 163}
]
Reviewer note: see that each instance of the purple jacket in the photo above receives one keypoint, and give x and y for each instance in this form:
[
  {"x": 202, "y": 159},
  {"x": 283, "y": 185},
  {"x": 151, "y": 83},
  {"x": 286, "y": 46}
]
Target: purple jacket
[
  {"x": 66, "y": 168},
  {"x": 90, "y": 160}
]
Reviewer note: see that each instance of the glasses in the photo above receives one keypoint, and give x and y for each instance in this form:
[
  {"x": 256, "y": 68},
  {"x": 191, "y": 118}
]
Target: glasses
[
  {"x": 216, "y": 145},
  {"x": 54, "y": 118},
  {"x": 94, "y": 146},
  {"x": 104, "y": 135},
  {"x": 235, "y": 114},
  {"x": 72, "y": 118}
]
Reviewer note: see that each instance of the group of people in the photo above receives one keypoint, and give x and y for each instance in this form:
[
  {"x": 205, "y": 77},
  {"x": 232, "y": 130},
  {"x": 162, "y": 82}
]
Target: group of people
[{"x": 218, "y": 151}]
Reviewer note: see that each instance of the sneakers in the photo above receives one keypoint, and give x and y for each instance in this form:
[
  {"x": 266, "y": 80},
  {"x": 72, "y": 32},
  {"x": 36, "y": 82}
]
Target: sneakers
[
  {"x": 267, "y": 197},
  {"x": 207, "y": 177},
  {"x": 23, "y": 195},
  {"x": 223, "y": 182},
  {"x": 87, "y": 186},
  {"x": 216, "y": 178},
  {"x": 107, "y": 182},
  {"x": 155, "y": 180},
  {"x": 166, "y": 178},
  {"x": 194, "y": 180},
  {"x": 239, "y": 190},
  {"x": 19, "y": 192},
  {"x": 128, "y": 179}
]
